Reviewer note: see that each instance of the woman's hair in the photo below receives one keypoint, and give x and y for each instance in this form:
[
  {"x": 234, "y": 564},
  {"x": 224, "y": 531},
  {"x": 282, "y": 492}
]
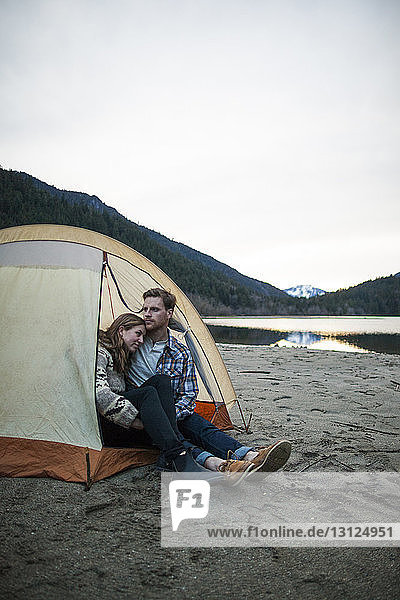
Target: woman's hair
[{"x": 113, "y": 342}]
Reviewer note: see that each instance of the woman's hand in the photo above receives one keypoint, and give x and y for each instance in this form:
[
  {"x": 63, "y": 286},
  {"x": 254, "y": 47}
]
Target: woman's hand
[{"x": 137, "y": 424}]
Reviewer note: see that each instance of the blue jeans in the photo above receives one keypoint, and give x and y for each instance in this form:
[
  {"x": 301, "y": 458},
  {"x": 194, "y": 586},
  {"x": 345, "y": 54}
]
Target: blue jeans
[
  {"x": 215, "y": 442},
  {"x": 156, "y": 407}
]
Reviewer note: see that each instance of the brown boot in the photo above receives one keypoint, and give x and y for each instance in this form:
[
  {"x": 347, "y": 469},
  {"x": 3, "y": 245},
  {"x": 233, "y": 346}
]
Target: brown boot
[
  {"x": 273, "y": 457},
  {"x": 236, "y": 470}
]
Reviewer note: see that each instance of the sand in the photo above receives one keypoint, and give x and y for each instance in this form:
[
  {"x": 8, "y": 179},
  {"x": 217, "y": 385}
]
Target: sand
[{"x": 340, "y": 410}]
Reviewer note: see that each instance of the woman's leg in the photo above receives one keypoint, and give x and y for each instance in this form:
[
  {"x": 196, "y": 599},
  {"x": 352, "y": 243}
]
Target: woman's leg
[
  {"x": 162, "y": 383},
  {"x": 115, "y": 436},
  {"x": 155, "y": 420}
]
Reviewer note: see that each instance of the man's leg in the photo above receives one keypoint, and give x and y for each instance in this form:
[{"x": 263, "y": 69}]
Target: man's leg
[
  {"x": 204, "y": 434},
  {"x": 159, "y": 418}
]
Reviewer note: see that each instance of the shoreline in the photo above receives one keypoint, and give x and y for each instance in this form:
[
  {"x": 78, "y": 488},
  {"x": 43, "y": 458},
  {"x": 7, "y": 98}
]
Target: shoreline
[{"x": 389, "y": 325}]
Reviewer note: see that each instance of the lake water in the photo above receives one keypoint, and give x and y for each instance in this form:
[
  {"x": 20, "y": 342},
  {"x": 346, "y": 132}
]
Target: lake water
[{"x": 350, "y": 334}]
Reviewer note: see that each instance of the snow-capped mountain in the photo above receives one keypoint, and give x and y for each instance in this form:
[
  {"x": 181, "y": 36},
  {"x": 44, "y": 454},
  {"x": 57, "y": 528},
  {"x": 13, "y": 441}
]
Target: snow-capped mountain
[{"x": 304, "y": 291}]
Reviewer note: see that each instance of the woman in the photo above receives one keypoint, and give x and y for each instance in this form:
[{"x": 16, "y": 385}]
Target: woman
[{"x": 127, "y": 416}]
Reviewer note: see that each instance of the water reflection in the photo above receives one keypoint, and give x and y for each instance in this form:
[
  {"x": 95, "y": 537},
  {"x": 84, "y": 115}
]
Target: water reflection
[
  {"x": 303, "y": 338},
  {"x": 242, "y": 335},
  {"x": 317, "y": 344},
  {"x": 389, "y": 344}
]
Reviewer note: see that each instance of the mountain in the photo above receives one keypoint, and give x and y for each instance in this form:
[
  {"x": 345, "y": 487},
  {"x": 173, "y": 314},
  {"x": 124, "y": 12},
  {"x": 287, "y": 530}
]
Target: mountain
[
  {"x": 304, "y": 291},
  {"x": 215, "y": 265},
  {"x": 214, "y": 287},
  {"x": 71, "y": 197},
  {"x": 380, "y": 297},
  {"x": 254, "y": 284}
]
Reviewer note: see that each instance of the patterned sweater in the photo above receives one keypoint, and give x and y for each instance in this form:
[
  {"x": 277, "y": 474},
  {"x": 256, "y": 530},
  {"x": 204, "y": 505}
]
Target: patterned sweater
[{"x": 109, "y": 386}]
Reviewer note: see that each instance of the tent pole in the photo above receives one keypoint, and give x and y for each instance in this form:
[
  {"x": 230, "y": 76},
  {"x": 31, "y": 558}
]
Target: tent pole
[
  {"x": 89, "y": 481},
  {"x": 246, "y": 426}
]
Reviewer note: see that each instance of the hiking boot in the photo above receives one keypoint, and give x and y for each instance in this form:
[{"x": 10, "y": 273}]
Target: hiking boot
[
  {"x": 235, "y": 470},
  {"x": 184, "y": 463},
  {"x": 272, "y": 457},
  {"x": 187, "y": 467}
]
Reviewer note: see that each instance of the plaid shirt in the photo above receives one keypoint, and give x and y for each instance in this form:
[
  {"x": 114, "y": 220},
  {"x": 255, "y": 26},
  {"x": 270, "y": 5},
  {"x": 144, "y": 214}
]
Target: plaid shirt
[{"x": 177, "y": 362}]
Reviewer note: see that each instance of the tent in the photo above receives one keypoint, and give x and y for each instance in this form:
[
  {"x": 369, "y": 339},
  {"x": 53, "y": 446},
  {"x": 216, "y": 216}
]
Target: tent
[{"x": 58, "y": 285}]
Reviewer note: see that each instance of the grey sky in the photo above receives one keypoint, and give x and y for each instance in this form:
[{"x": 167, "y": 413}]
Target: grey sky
[{"x": 262, "y": 132}]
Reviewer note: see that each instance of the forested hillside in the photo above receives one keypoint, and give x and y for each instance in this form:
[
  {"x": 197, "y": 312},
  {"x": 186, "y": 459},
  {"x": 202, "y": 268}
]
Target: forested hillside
[
  {"x": 25, "y": 200},
  {"x": 214, "y": 288},
  {"x": 378, "y": 297},
  {"x": 255, "y": 285}
]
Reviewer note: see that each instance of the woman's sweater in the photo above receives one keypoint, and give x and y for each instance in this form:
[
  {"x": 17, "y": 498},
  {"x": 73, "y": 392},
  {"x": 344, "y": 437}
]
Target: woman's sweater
[{"x": 109, "y": 387}]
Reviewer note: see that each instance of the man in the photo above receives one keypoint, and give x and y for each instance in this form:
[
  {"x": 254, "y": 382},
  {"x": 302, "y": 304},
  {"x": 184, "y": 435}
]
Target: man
[{"x": 161, "y": 353}]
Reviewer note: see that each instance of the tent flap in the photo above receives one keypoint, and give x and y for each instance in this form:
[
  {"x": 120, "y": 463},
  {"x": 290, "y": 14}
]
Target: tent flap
[{"x": 48, "y": 324}]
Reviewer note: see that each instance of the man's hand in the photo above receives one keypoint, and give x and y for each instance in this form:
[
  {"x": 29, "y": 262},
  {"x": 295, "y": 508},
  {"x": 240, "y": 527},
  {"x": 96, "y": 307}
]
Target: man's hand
[{"x": 137, "y": 424}]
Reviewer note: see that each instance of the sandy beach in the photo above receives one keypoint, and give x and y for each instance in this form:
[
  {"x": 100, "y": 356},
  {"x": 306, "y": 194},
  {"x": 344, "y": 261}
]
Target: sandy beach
[{"x": 341, "y": 412}]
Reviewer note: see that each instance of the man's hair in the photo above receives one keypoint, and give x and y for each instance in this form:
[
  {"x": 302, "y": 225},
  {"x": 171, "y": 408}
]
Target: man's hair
[{"x": 168, "y": 298}]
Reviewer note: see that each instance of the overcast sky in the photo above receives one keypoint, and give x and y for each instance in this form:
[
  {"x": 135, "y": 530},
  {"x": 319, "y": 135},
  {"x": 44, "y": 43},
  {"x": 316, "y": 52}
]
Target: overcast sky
[{"x": 262, "y": 132}]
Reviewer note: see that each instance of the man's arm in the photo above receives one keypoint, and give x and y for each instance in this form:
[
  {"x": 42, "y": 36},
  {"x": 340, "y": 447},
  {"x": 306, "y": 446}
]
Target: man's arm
[{"x": 187, "y": 389}]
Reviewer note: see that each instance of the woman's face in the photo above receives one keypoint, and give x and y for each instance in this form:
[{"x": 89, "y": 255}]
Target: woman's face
[{"x": 133, "y": 337}]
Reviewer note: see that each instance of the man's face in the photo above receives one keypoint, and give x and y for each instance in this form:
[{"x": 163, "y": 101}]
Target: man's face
[{"x": 155, "y": 314}]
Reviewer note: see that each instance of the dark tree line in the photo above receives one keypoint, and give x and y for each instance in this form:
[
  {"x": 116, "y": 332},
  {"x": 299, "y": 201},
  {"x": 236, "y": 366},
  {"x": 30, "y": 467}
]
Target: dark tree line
[{"x": 24, "y": 201}]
